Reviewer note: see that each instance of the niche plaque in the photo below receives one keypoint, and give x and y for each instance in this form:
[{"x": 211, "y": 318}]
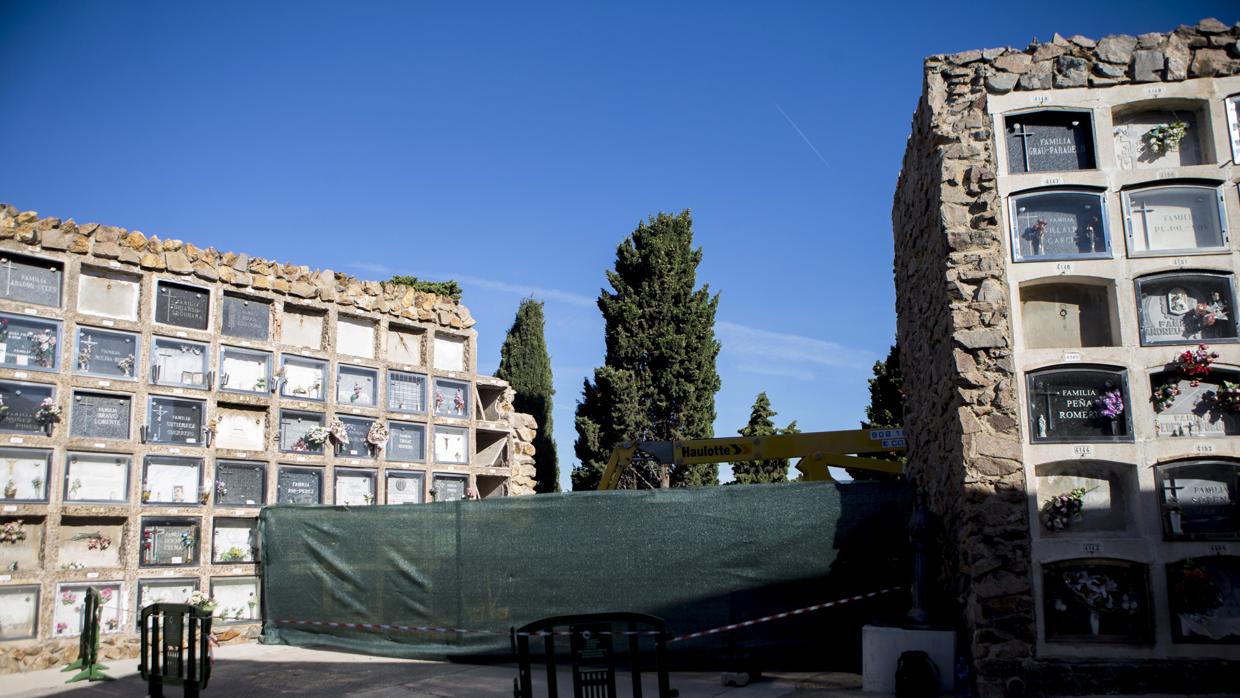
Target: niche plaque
[
  {"x": 1059, "y": 225},
  {"x": 1182, "y": 409},
  {"x": 1204, "y": 595},
  {"x": 182, "y": 306},
  {"x": 403, "y": 488},
  {"x": 357, "y": 430},
  {"x": 30, "y": 280},
  {"x": 1049, "y": 141},
  {"x": 1097, "y": 600},
  {"x": 1175, "y": 218},
  {"x": 1200, "y": 500},
  {"x": 100, "y": 415},
  {"x": 246, "y": 318},
  {"x": 106, "y": 353},
  {"x": 1078, "y": 405},
  {"x": 175, "y": 421},
  {"x": 448, "y": 488},
  {"x": 407, "y": 442},
  {"x": 299, "y": 486},
  {"x": 29, "y": 343},
  {"x": 170, "y": 542},
  {"x": 1186, "y": 308},
  {"x": 240, "y": 484},
  {"x": 21, "y": 405}
]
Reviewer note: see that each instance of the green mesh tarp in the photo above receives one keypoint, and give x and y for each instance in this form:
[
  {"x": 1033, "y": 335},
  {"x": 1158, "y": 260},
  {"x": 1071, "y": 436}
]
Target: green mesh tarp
[{"x": 699, "y": 558}]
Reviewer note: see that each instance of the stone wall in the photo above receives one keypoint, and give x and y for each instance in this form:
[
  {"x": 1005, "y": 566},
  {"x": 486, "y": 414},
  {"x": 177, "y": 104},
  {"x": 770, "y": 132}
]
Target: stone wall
[
  {"x": 961, "y": 411},
  {"x": 498, "y": 449}
]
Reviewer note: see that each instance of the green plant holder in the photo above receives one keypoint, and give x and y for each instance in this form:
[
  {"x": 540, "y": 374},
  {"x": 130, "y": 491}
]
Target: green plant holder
[{"x": 87, "y": 664}]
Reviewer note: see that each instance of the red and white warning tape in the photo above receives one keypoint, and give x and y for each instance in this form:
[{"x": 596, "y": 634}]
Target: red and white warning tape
[{"x": 382, "y": 627}]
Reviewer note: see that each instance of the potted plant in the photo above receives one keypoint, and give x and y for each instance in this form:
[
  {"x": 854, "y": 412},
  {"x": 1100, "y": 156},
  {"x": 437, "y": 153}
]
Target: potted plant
[
  {"x": 12, "y": 532},
  {"x": 10, "y": 489},
  {"x": 146, "y": 492}
]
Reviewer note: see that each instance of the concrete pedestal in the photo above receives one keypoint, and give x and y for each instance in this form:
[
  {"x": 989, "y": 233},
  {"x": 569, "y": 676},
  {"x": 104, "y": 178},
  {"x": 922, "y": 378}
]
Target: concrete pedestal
[{"x": 881, "y": 648}]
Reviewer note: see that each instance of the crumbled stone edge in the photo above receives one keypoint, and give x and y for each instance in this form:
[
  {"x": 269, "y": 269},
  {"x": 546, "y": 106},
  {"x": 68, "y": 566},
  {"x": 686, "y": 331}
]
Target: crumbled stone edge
[
  {"x": 241, "y": 271},
  {"x": 1208, "y": 49}
]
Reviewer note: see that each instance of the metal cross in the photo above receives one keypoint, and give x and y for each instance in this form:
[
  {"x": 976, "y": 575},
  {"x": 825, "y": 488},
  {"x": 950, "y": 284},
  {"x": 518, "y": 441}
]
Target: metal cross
[
  {"x": 87, "y": 342},
  {"x": 1145, "y": 210},
  {"x": 1019, "y": 131},
  {"x": 1170, "y": 487},
  {"x": 159, "y": 412},
  {"x": 1047, "y": 392}
]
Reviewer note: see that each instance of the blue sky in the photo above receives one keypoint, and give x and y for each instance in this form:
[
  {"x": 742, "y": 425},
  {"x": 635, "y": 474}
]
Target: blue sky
[{"x": 512, "y": 146}]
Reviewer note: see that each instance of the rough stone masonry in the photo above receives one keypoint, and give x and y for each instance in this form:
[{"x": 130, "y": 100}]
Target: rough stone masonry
[{"x": 954, "y": 329}]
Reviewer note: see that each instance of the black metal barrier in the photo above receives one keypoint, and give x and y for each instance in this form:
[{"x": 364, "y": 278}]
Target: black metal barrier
[
  {"x": 592, "y": 653},
  {"x": 175, "y": 648}
]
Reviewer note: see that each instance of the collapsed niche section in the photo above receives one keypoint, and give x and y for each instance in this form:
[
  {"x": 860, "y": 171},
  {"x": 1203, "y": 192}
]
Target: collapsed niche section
[
  {"x": 1085, "y": 496},
  {"x": 1097, "y": 600}
]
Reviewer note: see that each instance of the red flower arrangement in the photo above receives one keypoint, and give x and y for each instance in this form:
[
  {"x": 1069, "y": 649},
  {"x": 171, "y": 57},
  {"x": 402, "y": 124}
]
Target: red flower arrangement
[{"x": 1194, "y": 364}]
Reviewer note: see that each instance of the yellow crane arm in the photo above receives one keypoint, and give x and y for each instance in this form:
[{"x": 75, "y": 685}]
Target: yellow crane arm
[{"x": 817, "y": 450}]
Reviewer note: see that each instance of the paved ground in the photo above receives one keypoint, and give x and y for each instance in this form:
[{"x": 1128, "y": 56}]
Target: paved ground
[{"x": 252, "y": 671}]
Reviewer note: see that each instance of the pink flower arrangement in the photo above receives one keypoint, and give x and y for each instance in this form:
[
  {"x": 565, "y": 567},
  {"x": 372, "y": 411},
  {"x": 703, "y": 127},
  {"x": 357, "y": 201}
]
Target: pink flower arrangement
[{"x": 1195, "y": 363}]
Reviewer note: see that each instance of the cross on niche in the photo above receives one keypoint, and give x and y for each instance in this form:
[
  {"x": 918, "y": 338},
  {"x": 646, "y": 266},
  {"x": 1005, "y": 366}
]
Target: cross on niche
[
  {"x": 1019, "y": 131},
  {"x": 1048, "y": 415},
  {"x": 1170, "y": 489},
  {"x": 1143, "y": 209},
  {"x": 87, "y": 342},
  {"x": 158, "y": 411},
  {"x": 8, "y": 276}
]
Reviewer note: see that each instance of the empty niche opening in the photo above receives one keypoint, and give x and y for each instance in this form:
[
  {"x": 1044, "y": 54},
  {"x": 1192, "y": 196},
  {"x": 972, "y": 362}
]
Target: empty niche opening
[
  {"x": 21, "y": 543},
  {"x": 355, "y": 337},
  {"x": 301, "y": 327},
  {"x": 1084, "y": 496},
  {"x": 1049, "y": 141},
  {"x": 1067, "y": 315},
  {"x": 1206, "y": 407},
  {"x": 491, "y": 448},
  {"x": 88, "y": 542},
  {"x": 404, "y": 345},
  {"x": 1164, "y": 133},
  {"x": 492, "y": 486},
  {"x": 491, "y": 397}
]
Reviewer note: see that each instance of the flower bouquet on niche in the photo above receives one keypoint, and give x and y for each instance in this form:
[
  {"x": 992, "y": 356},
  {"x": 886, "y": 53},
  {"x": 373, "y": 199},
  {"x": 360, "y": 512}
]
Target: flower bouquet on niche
[
  {"x": 377, "y": 437},
  {"x": 338, "y": 432},
  {"x": 1164, "y": 395},
  {"x": 203, "y": 602},
  {"x": 48, "y": 414},
  {"x": 1063, "y": 510},
  {"x": 1227, "y": 397},
  {"x": 1164, "y": 138},
  {"x": 13, "y": 531},
  {"x": 1194, "y": 591},
  {"x": 314, "y": 438},
  {"x": 1194, "y": 364}
]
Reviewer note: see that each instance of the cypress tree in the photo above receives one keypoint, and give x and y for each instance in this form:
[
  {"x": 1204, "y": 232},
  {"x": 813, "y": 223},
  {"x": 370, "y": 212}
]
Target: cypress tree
[
  {"x": 760, "y": 424},
  {"x": 658, "y": 378},
  {"x": 886, "y": 408},
  {"x": 524, "y": 363}
]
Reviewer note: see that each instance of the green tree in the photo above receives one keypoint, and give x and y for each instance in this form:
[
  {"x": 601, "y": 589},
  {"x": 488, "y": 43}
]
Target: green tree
[
  {"x": 760, "y": 424},
  {"x": 524, "y": 363},
  {"x": 658, "y": 378},
  {"x": 886, "y": 408}
]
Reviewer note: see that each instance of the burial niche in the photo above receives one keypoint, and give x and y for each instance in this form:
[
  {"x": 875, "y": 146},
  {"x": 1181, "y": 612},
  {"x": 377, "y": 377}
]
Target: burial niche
[
  {"x": 403, "y": 487},
  {"x": 451, "y": 445},
  {"x": 247, "y": 318},
  {"x": 240, "y": 429},
  {"x": 88, "y": 542},
  {"x": 24, "y": 472},
  {"x": 406, "y": 442},
  {"x": 24, "y": 407},
  {"x": 19, "y": 612},
  {"x": 1078, "y": 404},
  {"x": 302, "y": 432},
  {"x": 237, "y": 599},
  {"x": 182, "y": 306},
  {"x": 170, "y": 542},
  {"x": 96, "y": 477},
  {"x": 449, "y": 353},
  {"x": 1160, "y": 137},
  {"x": 30, "y": 280},
  {"x": 171, "y": 480},
  {"x": 106, "y": 353},
  {"x": 356, "y": 386},
  {"x": 406, "y": 392},
  {"x": 180, "y": 363},
  {"x": 1204, "y": 599},
  {"x": 301, "y": 327},
  {"x": 452, "y": 398},
  {"x": 1096, "y": 600},
  {"x": 175, "y": 421},
  {"x": 302, "y": 377},
  {"x": 151, "y": 591},
  {"x": 1059, "y": 224},
  {"x": 355, "y": 337},
  {"x": 1066, "y": 315},
  {"x": 491, "y": 448},
  {"x": 1233, "y": 125},
  {"x": 1208, "y": 406},
  {"x": 70, "y": 599},
  {"x": 1200, "y": 499},
  {"x": 1175, "y": 218},
  {"x": 357, "y": 432},
  {"x": 1085, "y": 496},
  {"x": 1049, "y": 141},
  {"x": 235, "y": 540},
  {"x": 240, "y": 483},
  {"x": 29, "y": 343},
  {"x": 295, "y": 485},
  {"x": 1186, "y": 308},
  {"x": 404, "y": 345},
  {"x": 355, "y": 487},
  {"x": 448, "y": 488},
  {"x": 21, "y": 543},
  {"x": 100, "y": 415},
  {"x": 244, "y": 370},
  {"x": 108, "y": 293}
]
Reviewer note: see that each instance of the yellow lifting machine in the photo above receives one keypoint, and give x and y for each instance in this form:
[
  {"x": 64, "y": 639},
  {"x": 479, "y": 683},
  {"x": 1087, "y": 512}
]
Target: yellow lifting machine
[{"x": 816, "y": 451}]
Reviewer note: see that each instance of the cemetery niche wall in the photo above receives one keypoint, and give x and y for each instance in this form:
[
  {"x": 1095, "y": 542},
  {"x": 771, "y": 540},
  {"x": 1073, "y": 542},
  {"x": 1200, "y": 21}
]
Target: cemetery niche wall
[
  {"x": 154, "y": 395},
  {"x": 1062, "y": 236}
]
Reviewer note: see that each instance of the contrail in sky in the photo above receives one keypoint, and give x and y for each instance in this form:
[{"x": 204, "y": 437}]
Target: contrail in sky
[{"x": 802, "y": 134}]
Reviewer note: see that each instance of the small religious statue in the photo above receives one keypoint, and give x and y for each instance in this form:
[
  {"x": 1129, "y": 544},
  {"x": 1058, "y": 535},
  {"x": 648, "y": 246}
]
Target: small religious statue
[
  {"x": 458, "y": 402},
  {"x": 1041, "y": 426},
  {"x": 438, "y": 400},
  {"x": 1087, "y": 239},
  {"x": 1035, "y": 235}
]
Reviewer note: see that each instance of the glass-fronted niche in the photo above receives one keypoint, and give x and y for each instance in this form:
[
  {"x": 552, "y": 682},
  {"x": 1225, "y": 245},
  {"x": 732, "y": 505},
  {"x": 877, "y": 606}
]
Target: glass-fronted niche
[
  {"x": 1049, "y": 141},
  {"x": 1186, "y": 308},
  {"x": 1200, "y": 499},
  {"x": 29, "y": 343},
  {"x": 106, "y": 353},
  {"x": 67, "y": 613},
  {"x": 1176, "y": 218},
  {"x": 244, "y": 370},
  {"x": 170, "y": 542},
  {"x": 96, "y": 477},
  {"x": 26, "y": 408},
  {"x": 1201, "y": 407},
  {"x": 1059, "y": 224},
  {"x": 172, "y": 480},
  {"x": 355, "y": 487},
  {"x": 1204, "y": 599},
  {"x": 1097, "y": 600},
  {"x": 1066, "y": 315},
  {"x": 452, "y": 398},
  {"x": 180, "y": 363},
  {"x": 406, "y": 392},
  {"x": 302, "y": 377},
  {"x": 356, "y": 386},
  {"x": 24, "y": 473},
  {"x": 1078, "y": 404}
]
